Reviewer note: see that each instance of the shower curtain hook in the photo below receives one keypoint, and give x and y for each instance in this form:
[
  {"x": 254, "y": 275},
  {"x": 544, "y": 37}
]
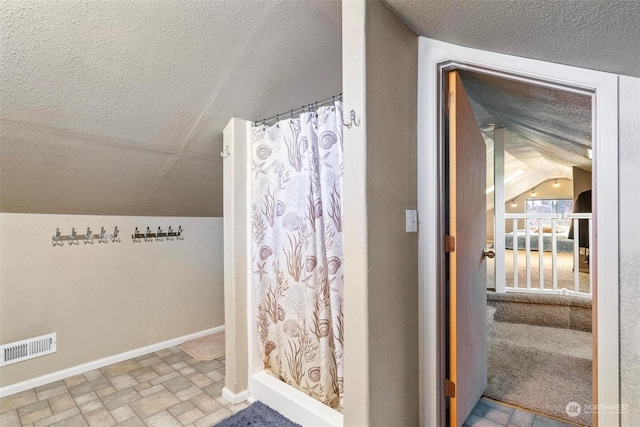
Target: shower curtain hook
[
  {"x": 291, "y": 116},
  {"x": 352, "y": 116},
  {"x": 264, "y": 123}
]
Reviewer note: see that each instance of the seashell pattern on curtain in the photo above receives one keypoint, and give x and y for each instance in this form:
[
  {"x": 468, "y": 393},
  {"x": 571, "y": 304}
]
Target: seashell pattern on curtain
[{"x": 297, "y": 252}]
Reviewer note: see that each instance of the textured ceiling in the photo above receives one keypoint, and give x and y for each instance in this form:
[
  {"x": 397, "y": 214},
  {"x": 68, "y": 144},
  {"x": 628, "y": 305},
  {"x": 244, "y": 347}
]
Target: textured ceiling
[
  {"x": 118, "y": 107},
  {"x": 597, "y": 34},
  {"x": 546, "y": 131}
]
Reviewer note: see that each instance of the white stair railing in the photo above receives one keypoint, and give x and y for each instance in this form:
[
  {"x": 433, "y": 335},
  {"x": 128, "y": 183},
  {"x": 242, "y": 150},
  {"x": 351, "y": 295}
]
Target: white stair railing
[{"x": 539, "y": 219}]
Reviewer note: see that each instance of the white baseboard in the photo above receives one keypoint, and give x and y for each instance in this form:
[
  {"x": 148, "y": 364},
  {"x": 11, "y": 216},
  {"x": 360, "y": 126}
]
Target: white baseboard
[
  {"x": 292, "y": 403},
  {"x": 86, "y": 367},
  {"x": 235, "y": 398}
]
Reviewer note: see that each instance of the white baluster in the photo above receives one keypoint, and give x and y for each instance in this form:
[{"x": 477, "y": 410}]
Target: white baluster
[
  {"x": 554, "y": 255},
  {"x": 541, "y": 252}
]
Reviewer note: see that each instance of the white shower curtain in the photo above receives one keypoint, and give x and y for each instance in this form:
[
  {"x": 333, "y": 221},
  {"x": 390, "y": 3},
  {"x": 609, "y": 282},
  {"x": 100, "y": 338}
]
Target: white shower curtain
[{"x": 297, "y": 256}]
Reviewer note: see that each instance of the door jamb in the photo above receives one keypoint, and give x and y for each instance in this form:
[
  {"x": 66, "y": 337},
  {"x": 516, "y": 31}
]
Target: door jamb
[{"x": 435, "y": 58}]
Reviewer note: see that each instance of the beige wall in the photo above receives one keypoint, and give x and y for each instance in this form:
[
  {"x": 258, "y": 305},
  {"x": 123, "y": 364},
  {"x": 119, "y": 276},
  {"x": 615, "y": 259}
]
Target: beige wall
[
  {"x": 104, "y": 299},
  {"x": 581, "y": 181},
  {"x": 381, "y": 264},
  {"x": 629, "y": 154}
]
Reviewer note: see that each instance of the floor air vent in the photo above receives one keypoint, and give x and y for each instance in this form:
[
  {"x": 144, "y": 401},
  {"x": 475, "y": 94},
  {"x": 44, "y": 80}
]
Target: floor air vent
[{"x": 27, "y": 349}]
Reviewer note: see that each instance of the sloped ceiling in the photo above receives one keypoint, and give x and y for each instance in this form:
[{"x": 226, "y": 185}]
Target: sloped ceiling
[
  {"x": 547, "y": 131},
  {"x": 118, "y": 107},
  {"x": 597, "y": 34}
]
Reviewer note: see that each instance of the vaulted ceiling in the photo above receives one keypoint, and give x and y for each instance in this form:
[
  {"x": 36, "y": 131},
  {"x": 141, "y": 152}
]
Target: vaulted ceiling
[
  {"x": 547, "y": 132},
  {"x": 118, "y": 107}
]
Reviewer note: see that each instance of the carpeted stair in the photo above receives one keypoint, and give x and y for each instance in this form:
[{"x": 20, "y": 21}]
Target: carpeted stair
[
  {"x": 556, "y": 311},
  {"x": 491, "y": 312},
  {"x": 539, "y": 368}
]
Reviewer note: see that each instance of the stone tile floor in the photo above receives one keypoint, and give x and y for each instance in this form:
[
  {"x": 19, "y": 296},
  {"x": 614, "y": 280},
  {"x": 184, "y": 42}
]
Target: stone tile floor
[
  {"x": 488, "y": 413},
  {"x": 170, "y": 388},
  {"x": 165, "y": 388}
]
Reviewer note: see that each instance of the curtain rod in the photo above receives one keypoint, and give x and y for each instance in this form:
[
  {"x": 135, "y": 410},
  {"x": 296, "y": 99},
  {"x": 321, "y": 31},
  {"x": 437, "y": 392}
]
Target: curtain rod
[{"x": 309, "y": 107}]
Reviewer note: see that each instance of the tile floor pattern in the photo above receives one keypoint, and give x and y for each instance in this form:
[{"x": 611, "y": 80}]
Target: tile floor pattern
[
  {"x": 166, "y": 388},
  {"x": 169, "y": 388},
  {"x": 488, "y": 413}
]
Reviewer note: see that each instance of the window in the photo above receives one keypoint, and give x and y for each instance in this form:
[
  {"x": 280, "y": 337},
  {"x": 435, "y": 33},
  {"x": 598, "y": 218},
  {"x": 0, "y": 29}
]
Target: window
[{"x": 550, "y": 206}]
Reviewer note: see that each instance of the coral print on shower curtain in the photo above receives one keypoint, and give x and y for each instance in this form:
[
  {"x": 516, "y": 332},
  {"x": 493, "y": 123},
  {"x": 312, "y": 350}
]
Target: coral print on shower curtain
[{"x": 297, "y": 257}]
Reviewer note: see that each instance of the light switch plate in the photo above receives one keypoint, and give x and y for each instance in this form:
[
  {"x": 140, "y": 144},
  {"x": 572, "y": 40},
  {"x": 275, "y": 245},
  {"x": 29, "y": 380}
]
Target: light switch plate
[{"x": 411, "y": 221}]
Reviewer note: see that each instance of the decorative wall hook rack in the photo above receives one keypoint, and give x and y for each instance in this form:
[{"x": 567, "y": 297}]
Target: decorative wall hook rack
[
  {"x": 148, "y": 236},
  {"x": 87, "y": 238},
  {"x": 352, "y": 117},
  {"x": 102, "y": 237},
  {"x": 137, "y": 236},
  {"x": 159, "y": 235},
  {"x": 114, "y": 236}
]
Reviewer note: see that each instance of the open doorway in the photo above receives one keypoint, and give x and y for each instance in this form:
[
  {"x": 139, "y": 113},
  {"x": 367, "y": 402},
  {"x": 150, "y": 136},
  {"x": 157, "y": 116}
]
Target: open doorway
[
  {"x": 539, "y": 319},
  {"x": 435, "y": 60}
]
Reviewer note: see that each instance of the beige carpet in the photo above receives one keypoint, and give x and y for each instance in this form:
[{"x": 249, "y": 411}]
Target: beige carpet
[
  {"x": 565, "y": 271},
  {"x": 208, "y": 347},
  {"x": 540, "y": 369}
]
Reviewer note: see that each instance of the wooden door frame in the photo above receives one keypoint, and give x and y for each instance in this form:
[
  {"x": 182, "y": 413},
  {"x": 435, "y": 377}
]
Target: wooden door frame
[{"x": 434, "y": 60}]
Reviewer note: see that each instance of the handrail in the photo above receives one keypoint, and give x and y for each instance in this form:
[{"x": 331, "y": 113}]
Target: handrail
[
  {"x": 553, "y": 234},
  {"x": 545, "y": 216}
]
